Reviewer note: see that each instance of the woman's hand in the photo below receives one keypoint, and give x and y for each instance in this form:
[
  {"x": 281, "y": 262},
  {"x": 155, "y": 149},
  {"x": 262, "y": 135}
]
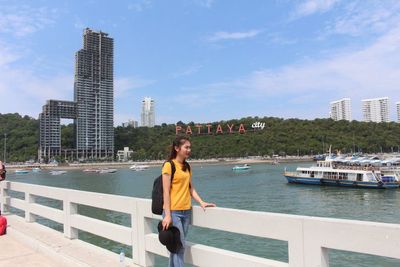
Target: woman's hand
[
  {"x": 166, "y": 222},
  {"x": 205, "y": 205}
]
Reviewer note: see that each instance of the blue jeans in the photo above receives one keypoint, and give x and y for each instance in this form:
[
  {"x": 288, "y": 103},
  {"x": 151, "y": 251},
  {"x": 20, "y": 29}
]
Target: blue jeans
[{"x": 181, "y": 220}]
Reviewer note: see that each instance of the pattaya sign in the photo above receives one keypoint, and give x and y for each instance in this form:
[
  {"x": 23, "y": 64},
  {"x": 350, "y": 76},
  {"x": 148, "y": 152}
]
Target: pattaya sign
[{"x": 219, "y": 129}]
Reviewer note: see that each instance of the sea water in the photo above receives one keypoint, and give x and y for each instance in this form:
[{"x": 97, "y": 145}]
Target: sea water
[{"x": 263, "y": 188}]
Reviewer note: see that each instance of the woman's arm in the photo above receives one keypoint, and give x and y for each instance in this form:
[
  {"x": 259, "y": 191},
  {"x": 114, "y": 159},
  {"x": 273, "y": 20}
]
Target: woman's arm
[
  {"x": 166, "y": 179},
  {"x": 197, "y": 197}
]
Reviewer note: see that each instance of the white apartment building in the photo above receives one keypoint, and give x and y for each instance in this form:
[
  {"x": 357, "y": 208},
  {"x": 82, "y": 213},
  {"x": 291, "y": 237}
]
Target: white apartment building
[
  {"x": 398, "y": 111},
  {"x": 341, "y": 110},
  {"x": 376, "y": 109},
  {"x": 148, "y": 112}
]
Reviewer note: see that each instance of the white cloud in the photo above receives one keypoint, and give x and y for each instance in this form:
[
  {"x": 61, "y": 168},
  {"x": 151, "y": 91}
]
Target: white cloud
[
  {"x": 123, "y": 85},
  {"x": 358, "y": 18},
  {"x": 188, "y": 71},
  {"x": 371, "y": 71},
  {"x": 222, "y": 35},
  {"x": 206, "y": 3},
  {"x": 23, "y": 20},
  {"x": 310, "y": 7},
  {"x": 139, "y": 5},
  {"x": 25, "y": 92}
]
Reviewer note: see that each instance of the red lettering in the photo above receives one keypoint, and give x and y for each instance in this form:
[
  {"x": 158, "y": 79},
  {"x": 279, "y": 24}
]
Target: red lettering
[
  {"x": 209, "y": 128},
  {"x": 178, "y": 129},
  {"x": 199, "y": 128},
  {"x": 219, "y": 129},
  {"x": 189, "y": 130},
  {"x": 241, "y": 128},
  {"x": 230, "y": 127}
]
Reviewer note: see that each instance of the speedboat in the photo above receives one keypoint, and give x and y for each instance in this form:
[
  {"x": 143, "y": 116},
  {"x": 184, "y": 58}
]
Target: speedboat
[
  {"x": 139, "y": 167},
  {"x": 58, "y": 172},
  {"x": 102, "y": 171},
  {"x": 244, "y": 167},
  {"x": 91, "y": 170},
  {"x": 36, "y": 169},
  {"x": 21, "y": 171}
]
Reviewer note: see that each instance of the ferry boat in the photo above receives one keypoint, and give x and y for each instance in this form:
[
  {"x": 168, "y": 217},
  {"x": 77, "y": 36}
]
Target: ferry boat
[
  {"x": 329, "y": 172},
  {"x": 36, "y": 169},
  {"x": 244, "y": 167}
]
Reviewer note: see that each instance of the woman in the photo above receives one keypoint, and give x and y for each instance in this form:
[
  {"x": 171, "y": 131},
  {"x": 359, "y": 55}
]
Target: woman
[{"x": 177, "y": 196}]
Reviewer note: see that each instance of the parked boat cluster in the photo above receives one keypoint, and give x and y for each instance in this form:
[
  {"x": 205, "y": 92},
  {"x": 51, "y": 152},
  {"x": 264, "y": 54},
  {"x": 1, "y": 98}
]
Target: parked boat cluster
[{"x": 136, "y": 167}]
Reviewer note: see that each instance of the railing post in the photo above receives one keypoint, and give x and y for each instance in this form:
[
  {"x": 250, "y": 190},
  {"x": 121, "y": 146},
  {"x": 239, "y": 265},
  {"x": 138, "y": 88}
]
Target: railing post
[
  {"x": 315, "y": 254},
  {"x": 134, "y": 234},
  {"x": 5, "y": 199},
  {"x": 29, "y": 199},
  {"x": 69, "y": 209},
  {"x": 143, "y": 227}
]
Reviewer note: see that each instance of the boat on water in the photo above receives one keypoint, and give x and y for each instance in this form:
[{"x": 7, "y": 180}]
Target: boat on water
[
  {"x": 331, "y": 172},
  {"x": 139, "y": 167},
  {"x": 103, "y": 171},
  {"x": 91, "y": 170},
  {"x": 244, "y": 167},
  {"x": 275, "y": 162},
  {"x": 58, "y": 172},
  {"x": 36, "y": 169},
  {"x": 21, "y": 171}
]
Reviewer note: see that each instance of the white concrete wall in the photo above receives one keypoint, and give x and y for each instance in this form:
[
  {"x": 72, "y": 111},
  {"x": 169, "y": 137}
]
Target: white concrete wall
[{"x": 309, "y": 238}]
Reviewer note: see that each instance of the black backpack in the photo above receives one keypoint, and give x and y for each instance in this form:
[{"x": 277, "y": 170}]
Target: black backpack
[
  {"x": 157, "y": 197},
  {"x": 3, "y": 173}
]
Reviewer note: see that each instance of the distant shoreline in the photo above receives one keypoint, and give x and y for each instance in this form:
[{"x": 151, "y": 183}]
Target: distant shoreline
[{"x": 154, "y": 163}]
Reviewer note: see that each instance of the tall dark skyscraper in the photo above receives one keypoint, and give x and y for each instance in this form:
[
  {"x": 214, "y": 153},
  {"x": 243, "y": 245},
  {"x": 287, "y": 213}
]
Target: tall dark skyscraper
[
  {"x": 94, "y": 93},
  {"x": 92, "y": 108}
]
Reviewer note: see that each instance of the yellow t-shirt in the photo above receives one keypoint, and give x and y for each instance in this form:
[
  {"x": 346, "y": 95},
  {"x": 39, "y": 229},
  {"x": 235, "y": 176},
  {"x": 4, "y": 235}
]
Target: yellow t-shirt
[{"x": 180, "y": 193}]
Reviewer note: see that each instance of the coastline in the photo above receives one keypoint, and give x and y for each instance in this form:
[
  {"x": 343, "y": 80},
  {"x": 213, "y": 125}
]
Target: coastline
[{"x": 155, "y": 163}]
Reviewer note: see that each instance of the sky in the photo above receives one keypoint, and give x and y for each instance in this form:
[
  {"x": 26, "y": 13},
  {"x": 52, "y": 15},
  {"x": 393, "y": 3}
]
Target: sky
[{"x": 207, "y": 60}]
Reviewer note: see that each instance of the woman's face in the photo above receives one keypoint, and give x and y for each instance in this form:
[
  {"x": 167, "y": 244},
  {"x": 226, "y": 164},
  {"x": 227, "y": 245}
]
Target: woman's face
[{"x": 184, "y": 150}]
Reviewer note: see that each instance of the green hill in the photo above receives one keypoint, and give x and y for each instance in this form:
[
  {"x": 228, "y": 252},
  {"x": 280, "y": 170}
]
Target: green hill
[{"x": 280, "y": 136}]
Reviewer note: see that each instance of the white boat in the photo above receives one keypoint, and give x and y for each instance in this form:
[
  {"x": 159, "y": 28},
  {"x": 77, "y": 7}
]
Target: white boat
[
  {"x": 331, "y": 172},
  {"x": 102, "y": 171},
  {"x": 58, "y": 172},
  {"x": 91, "y": 170},
  {"x": 36, "y": 169},
  {"x": 21, "y": 171},
  {"x": 139, "y": 167},
  {"x": 244, "y": 167}
]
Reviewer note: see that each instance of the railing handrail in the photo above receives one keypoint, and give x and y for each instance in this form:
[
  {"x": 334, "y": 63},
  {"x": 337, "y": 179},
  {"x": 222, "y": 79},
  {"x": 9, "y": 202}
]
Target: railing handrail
[{"x": 309, "y": 238}]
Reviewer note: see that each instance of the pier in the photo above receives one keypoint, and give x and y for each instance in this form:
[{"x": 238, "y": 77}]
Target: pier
[{"x": 309, "y": 239}]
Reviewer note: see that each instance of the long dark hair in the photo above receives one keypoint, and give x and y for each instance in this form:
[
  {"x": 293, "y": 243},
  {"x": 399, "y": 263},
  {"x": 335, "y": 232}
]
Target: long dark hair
[{"x": 178, "y": 142}]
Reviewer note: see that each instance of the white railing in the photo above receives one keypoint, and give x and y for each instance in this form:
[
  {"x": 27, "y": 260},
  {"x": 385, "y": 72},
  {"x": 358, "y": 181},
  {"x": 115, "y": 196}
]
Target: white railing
[{"x": 309, "y": 238}]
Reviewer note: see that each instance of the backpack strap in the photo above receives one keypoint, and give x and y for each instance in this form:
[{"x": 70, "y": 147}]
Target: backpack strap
[
  {"x": 188, "y": 166},
  {"x": 173, "y": 169}
]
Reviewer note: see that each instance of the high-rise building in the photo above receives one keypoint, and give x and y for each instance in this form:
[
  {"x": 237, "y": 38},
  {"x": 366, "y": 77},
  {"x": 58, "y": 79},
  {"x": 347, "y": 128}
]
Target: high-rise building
[
  {"x": 92, "y": 108},
  {"x": 94, "y": 93},
  {"x": 50, "y": 129},
  {"x": 376, "y": 109},
  {"x": 341, "y": 109},
  {"x": 131, "y": 123},
  {"x": 398, "y": 111},
  {"x": 148, "y": 114}
]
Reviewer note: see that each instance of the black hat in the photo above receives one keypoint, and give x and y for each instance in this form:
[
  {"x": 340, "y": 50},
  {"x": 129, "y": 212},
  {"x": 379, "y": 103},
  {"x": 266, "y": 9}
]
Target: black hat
[{"x": 171, "y": 237}]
